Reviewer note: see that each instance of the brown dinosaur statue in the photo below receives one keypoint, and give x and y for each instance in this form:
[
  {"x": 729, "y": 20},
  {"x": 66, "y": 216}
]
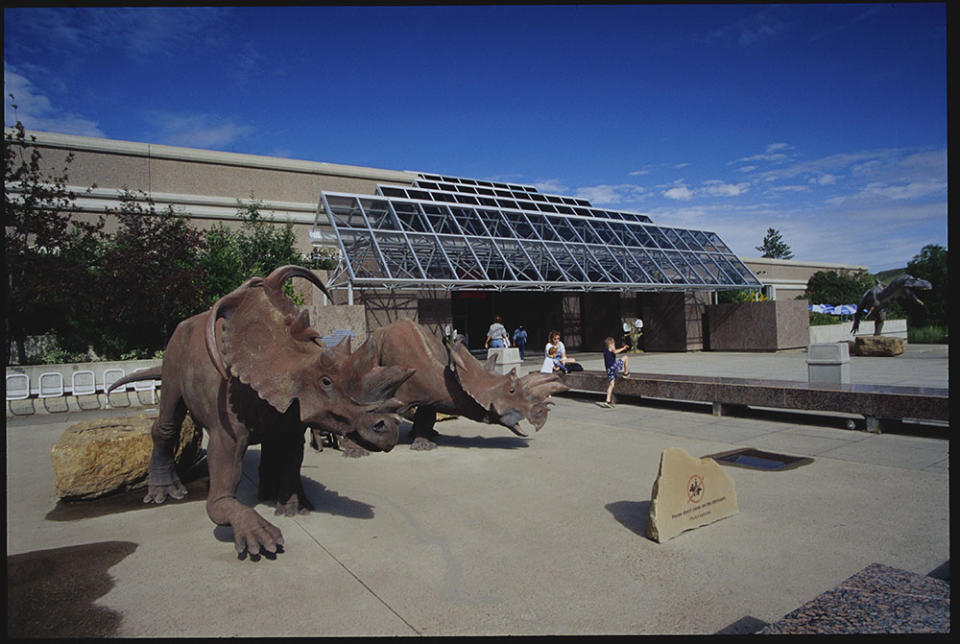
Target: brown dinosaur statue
[
  {"x": 251, "y": 370},
  {"x": 448, "y": 379}
]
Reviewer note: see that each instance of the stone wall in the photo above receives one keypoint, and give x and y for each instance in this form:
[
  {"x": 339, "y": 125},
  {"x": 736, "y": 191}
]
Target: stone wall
[{"x": 758, "y": 326}]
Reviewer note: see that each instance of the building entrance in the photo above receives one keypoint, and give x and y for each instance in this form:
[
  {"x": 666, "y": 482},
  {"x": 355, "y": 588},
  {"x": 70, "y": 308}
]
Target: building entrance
[{"x": 473, "y": 311}]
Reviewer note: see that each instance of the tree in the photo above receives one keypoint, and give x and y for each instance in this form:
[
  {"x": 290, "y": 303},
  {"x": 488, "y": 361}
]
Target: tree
[
  {"x": 46, "y": 250},
  {"x": 774, "y": 246},
  {"x": 148, "y": 278},
  {"x": 831, "y": 287},
  {"x": 930, "y": 264},
  {"x": 230, "y": 257}
]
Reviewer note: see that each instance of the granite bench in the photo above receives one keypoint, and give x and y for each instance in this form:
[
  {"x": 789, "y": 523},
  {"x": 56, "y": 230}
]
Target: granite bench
[{"x": 874, "y": 402}]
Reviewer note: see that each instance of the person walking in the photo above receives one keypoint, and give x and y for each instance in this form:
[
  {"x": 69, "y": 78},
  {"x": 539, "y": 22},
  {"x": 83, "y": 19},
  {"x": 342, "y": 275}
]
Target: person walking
[
  {"x": 615, "y": 366},
  {"x": 497, "y": 337},
  {"x": 520, "y": 340}
]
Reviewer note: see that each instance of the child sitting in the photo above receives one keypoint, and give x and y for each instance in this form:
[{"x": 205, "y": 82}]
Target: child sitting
[{"x": 552, "y": 363}]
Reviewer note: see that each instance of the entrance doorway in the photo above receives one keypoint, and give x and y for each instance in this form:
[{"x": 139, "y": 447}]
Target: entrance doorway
[{"x": 473, "y": 311}]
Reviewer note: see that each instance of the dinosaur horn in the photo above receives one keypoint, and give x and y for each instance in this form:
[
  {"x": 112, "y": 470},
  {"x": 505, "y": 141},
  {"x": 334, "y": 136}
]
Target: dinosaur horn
[{"x": 276, "y": 278}]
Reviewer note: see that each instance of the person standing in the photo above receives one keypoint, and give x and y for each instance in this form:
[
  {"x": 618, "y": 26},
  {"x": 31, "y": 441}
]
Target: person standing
[
  {"x": 615, "y": 367},
  {"x": 497, "y": 337},
  {"x": 520, "y": 339}
]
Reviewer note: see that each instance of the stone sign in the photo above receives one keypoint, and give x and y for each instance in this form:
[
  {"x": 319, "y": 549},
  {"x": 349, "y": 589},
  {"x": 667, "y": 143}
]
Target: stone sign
[{"x": 688, "y": 493}]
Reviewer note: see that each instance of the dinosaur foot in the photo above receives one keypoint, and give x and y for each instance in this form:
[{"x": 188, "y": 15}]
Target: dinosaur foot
[
  {"x": 297, "y": 504},
  {"x": 159, "y": 493},
  {"x": 251, "y": 533},
  {"x": 351, "y": 449},
  {"x": 422, "y": 444}
]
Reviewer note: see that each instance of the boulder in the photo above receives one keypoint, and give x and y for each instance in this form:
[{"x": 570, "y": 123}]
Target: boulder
[
  {"x": 106, "y": 455},
  {"x": 878, "y": 345}
]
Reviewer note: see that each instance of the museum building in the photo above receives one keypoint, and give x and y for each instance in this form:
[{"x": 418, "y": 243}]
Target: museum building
[{"x": 444, "y": 250}]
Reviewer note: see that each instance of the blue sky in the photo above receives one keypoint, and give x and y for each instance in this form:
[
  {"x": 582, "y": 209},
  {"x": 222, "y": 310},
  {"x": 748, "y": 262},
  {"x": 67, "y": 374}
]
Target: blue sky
[{"x": 826, "y": 122}]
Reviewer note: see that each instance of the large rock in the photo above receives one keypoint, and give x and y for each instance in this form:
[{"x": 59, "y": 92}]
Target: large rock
[
  {"x": 878, "y": 345},
  {"x": 101, "y": 456}
]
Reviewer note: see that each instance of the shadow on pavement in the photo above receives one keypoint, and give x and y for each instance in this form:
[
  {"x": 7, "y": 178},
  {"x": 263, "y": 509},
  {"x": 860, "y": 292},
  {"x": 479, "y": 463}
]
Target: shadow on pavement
[
  {"x": 633, "y": 515},
  {"x": 51, "y": 593}
]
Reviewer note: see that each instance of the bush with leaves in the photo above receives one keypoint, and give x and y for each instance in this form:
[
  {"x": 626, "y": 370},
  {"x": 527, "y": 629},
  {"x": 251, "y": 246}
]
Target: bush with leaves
[
  {"x": 47, "y": 252},
  {"x": 931, "y": 265},
  {"x": 147, "y": 278},
  {"x": 843, "y": 287}
]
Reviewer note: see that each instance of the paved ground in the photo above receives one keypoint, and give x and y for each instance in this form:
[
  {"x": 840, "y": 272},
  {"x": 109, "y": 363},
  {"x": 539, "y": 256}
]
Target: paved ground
[{"x": 492, "y": 534}]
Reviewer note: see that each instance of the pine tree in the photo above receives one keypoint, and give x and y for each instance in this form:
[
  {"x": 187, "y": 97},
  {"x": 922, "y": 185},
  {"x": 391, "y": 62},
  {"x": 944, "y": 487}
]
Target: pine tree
[{"x": 774, "y": 246}]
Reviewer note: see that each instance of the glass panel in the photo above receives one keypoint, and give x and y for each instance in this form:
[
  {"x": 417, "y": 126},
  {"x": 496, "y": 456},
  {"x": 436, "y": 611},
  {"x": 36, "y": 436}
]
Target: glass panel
[
  {"x": 441, "y": 220},
  {"x": 690, "y": 240},
  {"x": 491, "y": 260},
  {"x": 465, "y": 264},
  {"x": 521, "y": 226},
  {"x": 345, "y": 211},
  {"x": 586, "y": 231},
  {"x": 567, "y": 263},
  {"x": 564, "y": 229},
  {"x": 662, "y": 261},
  {"x": 361, "y": 255},
  {"x": 430, "y": 256},
  {"x": 495, "y": 224},
  {"x": 469, "y": 221},
  {"x": 378, "y": 214},
  {"x": 410, "y": 217},
  {"x": 716, "y": 243},
  {"x": 674, "y": 238},
  {"x": 610, "y": 264},
  {"x": 546, "y": 265},
  {"x": 522, "y": 267},
  {"x": 396, "y": 252},
  {"x": 627, "y": 257},
  {"x": 606, "y": 233},
  {"x": 658, "y": 237},
  {"x": 594, "y": 271}
]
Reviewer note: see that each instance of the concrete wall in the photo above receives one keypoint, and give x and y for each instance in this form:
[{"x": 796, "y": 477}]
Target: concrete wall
[
  {"x": 758, "y": 326},
  {"x": 204, "y": 184},
  {"x": 823, "y": 333}
]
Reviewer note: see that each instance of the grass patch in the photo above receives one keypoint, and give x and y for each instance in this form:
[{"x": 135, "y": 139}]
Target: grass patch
[{"x": 933, "y": 334}]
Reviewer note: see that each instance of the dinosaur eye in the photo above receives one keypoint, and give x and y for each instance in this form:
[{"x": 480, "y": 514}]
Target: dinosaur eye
[{"x": 326, "y": 382}]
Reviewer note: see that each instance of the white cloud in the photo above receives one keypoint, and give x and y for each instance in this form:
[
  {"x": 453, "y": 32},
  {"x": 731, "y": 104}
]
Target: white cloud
[
  {"x": 550, "y": 186},
  {"x": 748, "y": 168},
  {"x": 197, "y": 130},
  {"x": 680, "y": 193},
  {"x": 824, "y": 179},
  {"x": 36, "y": 111},
  {"x": 717, "y": 188},
  {"x": 680, "y": 166},
  {"x": 608, "y": 195}
]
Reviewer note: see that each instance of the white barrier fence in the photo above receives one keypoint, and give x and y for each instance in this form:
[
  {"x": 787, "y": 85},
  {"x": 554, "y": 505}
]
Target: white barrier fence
[{"x": 58, "y": 388}]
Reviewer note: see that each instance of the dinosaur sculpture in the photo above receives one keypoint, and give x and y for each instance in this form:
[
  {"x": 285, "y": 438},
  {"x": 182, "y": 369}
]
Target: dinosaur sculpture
[
  {"x": 448, "y": 379},
  {"x": 873, "y": 304},
  {"x": 251, "y": 370}
]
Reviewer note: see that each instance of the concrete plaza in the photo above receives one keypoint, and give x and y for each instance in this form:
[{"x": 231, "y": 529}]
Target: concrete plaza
[{"x": 492, "y": 534}]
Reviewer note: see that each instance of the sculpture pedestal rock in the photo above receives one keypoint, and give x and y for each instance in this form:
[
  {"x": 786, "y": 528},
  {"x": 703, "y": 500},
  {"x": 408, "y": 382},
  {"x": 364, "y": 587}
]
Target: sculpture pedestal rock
[
  {"x": 688, "y": 493},
  {"x": 878, "y": 345},
  {"x": 100, "y": 456}
]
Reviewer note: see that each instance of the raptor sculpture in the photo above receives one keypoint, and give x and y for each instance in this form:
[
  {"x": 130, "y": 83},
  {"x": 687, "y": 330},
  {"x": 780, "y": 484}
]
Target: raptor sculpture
[
  {"x": 448, "y": 379},
  {"x": 873, "y": 304}
]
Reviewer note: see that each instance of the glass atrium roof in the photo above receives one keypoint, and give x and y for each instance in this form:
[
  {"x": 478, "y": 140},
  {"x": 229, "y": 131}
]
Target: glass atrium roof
[{"x": 450, "y": 232}]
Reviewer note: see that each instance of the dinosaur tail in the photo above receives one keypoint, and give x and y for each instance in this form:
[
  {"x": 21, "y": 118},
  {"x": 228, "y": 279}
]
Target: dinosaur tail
[{"x": 147, "y": 374}]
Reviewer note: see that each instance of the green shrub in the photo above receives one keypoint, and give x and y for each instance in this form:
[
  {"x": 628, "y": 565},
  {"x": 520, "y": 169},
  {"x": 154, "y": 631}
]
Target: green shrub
[
  {"x": 932, "y": 334},
  {"x": 819, "y": 319}
]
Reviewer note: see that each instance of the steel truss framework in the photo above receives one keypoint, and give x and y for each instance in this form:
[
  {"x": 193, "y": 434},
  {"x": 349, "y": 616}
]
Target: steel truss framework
[{"x": 439, "y": 234}]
